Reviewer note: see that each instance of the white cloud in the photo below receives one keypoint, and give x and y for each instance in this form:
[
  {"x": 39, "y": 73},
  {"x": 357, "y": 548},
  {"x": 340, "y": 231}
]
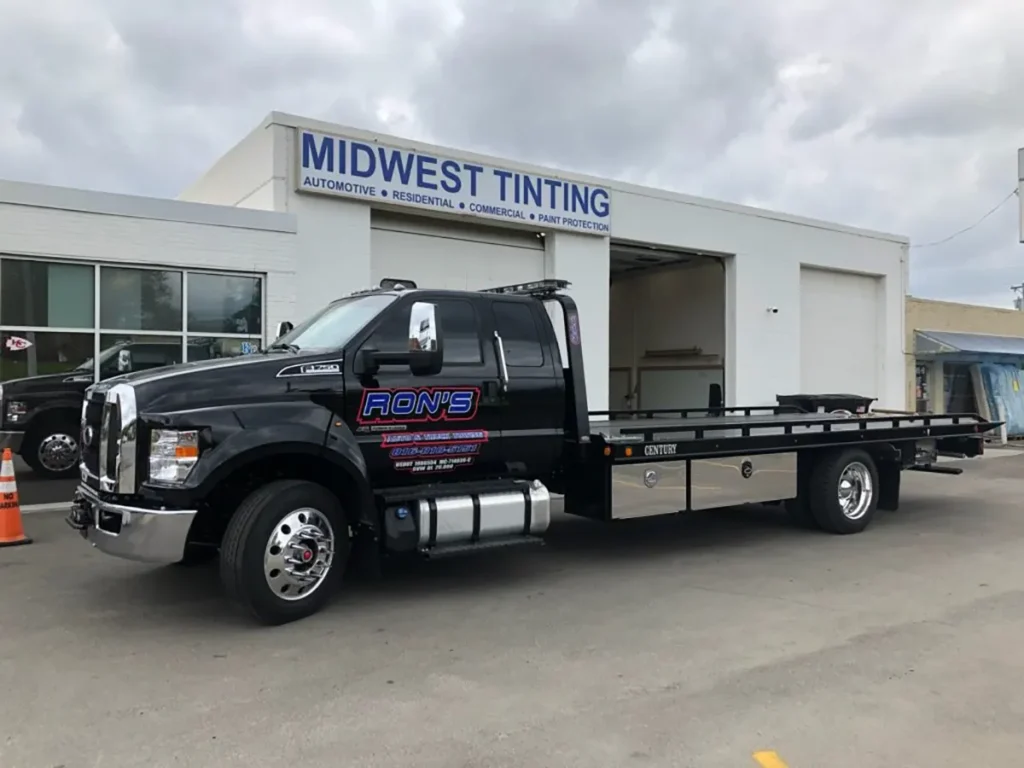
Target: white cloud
[{"x": 904, "y": 117}]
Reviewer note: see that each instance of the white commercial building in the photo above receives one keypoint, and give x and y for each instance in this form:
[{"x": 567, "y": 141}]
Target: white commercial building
[{"x": 676, "y": 293}]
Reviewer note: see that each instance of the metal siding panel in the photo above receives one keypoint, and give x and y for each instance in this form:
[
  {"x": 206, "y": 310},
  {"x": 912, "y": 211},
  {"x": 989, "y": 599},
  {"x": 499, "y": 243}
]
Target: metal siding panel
[{"x": 437, "y": 261}]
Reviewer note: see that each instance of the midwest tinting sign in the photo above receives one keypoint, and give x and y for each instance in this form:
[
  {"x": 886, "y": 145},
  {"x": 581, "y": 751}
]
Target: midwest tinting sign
[{"x": 369, "y": 171}]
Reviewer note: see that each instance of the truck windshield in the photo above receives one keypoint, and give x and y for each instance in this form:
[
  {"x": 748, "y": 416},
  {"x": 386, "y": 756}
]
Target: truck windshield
[
  {"x": 334, "y": 325},
  {"x": 105, "y": 355}
]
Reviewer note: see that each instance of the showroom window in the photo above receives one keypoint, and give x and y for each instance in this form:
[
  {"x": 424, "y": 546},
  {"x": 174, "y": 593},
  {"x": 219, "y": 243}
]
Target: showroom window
[{"x": 58, "y": 317}]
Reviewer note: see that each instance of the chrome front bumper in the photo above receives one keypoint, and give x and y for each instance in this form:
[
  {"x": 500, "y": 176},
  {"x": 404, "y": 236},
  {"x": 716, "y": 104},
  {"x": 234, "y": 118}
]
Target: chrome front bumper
[{"x": 133, "y": 533}]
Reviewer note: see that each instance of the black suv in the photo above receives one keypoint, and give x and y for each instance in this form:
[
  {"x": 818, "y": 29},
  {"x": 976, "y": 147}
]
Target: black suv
[{"x": 41, "y": 414}]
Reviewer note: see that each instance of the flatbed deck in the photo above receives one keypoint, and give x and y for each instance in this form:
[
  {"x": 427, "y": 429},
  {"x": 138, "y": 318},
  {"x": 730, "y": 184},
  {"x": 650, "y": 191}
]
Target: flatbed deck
[
  {"x": 632, "y": 437},
  {"x": 763, "y": 425}
]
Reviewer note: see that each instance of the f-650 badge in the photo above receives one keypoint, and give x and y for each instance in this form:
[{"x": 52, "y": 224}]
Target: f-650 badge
[
  {"x": 319, "y": 368},
  {"x": 418, "y": 404}
]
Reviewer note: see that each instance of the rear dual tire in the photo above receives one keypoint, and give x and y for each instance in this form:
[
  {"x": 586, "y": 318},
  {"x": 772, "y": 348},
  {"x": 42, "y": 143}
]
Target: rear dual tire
[
  {"x": 285, "y": 551},
  {"x": 839, "y": 494}
]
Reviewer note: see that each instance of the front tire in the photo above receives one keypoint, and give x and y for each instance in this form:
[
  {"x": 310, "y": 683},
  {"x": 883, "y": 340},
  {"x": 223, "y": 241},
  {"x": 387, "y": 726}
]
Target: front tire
[
  {"x": 51, "y": 449},
  {"x": 843, "y": 491},
  {"x": 285, "y": 551}
]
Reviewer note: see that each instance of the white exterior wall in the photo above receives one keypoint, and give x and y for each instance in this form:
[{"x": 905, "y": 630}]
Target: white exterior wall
[
  {"x": 764, "y": 252},
  {"x": 243, "y": 178},
  {"x": 763, "y": 349},
  {"x": 56, "y": 223}
]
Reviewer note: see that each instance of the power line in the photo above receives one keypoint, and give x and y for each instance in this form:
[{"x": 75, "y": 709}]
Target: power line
[{"x": 999, "y": 205}]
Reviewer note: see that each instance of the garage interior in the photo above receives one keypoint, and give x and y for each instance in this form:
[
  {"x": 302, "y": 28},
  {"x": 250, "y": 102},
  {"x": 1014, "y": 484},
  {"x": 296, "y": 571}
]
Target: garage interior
[{"x": 666, "y": 329}]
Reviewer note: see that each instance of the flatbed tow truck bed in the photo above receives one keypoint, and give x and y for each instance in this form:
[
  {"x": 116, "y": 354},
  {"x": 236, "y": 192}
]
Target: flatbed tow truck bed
[
  {"x": 667, "y": 462},
  {"x": 774, "y": 430}
]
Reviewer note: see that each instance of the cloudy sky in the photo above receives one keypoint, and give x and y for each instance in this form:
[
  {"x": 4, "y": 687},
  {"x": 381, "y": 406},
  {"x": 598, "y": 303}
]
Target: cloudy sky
[{"x": 901, "y": 116}]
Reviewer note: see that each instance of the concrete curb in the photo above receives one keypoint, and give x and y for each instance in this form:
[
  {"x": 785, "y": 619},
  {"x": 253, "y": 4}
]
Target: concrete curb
[{"x": 55, "y": 506}]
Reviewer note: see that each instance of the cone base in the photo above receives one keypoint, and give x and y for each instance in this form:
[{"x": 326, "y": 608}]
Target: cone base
[{"x": 15, "y": 542}]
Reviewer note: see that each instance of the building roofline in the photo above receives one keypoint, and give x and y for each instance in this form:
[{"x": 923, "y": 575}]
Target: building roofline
[
  {"x": 297, "y": 121},
  {"x": 139, "y": 207},
  {"x": 949, "y": 303}
]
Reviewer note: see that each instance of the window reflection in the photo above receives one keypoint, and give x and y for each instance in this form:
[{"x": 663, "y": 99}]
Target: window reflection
[
  {"x": 41, "y": 353},
  {"x": 140, "y": 299},
  {"x": 225, "y": 304}
]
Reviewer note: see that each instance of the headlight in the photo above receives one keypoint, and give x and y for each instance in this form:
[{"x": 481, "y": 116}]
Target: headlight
[
  {"x": 172, "y": 454},
  {"x": 15, "y": 411}
]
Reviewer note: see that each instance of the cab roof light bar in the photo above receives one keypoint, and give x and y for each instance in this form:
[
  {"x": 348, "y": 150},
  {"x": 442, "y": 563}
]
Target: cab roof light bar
[
  {"x": 387, "y": 284},
  {"x": 537, "y": 289}
]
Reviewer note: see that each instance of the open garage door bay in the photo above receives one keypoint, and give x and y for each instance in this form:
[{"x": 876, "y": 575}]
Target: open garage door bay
[
  {"x": 841, "y": 314},
  {"x": 667, "y": 329}
]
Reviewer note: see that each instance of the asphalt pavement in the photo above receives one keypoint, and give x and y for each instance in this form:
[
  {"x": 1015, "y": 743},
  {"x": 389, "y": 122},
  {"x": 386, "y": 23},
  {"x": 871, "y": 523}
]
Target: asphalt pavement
[
  {"x": 33, "y": 490},
  {"x": 697, "y": 640}
]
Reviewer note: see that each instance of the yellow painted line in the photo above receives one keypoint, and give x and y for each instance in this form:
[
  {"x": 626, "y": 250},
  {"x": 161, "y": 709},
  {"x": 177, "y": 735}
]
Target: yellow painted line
[{"x": 769, "y": 759}]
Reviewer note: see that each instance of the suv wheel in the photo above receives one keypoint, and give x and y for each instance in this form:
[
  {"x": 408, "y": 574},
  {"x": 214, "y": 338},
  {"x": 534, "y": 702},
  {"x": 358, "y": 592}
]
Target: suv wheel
[
  {"x": 285, "y": 550},
  {"x": 51, "y": 450}
]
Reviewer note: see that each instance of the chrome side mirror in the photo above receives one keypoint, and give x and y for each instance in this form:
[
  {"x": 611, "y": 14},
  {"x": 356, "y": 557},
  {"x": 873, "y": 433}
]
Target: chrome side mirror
[
  {"x": 423, "y": 327},
  {"x": 284, "y": 328},
  {"x": 426, "y": 350}
]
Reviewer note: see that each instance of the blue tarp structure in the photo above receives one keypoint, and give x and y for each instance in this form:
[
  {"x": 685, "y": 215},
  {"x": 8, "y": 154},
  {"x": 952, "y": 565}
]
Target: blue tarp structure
[
  {"x": 1001, "y": 383},
  {"x": 995, "y": 365}
]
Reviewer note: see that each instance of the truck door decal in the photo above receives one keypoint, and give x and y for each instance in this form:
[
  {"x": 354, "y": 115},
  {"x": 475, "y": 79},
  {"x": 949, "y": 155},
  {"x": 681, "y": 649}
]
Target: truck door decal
[
  {"x": 412, "y": 405},
  {"x": 574, "y": 329},
  {"x": 435, "y": 451}
]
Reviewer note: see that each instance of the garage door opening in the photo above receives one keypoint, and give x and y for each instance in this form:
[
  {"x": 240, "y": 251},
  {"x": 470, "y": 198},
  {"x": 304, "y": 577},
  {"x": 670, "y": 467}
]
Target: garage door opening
[{"x": 667, "y": 329}]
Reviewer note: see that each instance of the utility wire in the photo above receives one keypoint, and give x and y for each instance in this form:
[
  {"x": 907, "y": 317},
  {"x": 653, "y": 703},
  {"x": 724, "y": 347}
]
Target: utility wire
[{"x": 999, "y": 205}]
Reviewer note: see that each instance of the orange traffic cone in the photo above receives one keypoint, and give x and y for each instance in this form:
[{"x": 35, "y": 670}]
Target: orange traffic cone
[{"x": 11, "y": 532}]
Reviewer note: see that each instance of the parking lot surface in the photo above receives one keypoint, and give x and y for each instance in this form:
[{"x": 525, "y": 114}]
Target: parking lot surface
[
  {"x": 692, "y": 641},
  {"x": 34, "y": 490}
]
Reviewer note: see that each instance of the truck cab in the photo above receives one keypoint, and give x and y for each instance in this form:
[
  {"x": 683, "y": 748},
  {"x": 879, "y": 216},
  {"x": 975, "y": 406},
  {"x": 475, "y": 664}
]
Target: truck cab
[{"x": 487, "y": 402}]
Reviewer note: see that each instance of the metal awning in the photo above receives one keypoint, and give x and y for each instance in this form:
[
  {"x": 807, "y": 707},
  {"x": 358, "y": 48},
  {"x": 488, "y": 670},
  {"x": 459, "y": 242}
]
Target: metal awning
[{"x": 949, "y": 343}]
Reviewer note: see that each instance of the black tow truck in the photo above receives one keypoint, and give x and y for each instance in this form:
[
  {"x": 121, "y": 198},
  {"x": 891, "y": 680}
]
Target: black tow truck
[{"x": 405, "y": 421}]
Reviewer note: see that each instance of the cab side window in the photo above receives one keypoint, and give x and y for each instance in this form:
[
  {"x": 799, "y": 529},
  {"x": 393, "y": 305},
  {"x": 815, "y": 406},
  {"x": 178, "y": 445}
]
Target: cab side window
[
  {"x": 459, "y": 326},
  {"x": 520, "y": 336}
]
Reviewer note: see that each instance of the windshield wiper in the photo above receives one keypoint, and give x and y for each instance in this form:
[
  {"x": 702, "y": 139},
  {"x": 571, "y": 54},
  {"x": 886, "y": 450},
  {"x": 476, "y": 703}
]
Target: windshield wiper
[{"x": 285, "y": 346}]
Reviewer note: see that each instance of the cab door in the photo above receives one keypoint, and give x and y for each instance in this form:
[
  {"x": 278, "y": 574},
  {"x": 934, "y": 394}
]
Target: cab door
[
  {"x": 423, "y": 429},
  {"x": 534, "y": 416}
]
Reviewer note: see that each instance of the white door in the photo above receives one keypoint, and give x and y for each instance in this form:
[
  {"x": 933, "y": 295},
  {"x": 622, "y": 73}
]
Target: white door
[
  {"x": 841, "y": 316},
  {"x": 442, "y": 254}
]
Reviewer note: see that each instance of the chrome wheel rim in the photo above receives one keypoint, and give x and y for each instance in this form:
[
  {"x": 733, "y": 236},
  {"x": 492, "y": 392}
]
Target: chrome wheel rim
[
  {"x": 855, "y": 490},
  {"x": 57, "y": 452},
  {"x": 299, "y": 554}
]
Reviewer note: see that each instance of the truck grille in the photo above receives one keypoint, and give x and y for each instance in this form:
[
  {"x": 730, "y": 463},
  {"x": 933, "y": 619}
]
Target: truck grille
[
  {"x": 92, "y": 416},
  {"x": 109, "y": 444}
]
